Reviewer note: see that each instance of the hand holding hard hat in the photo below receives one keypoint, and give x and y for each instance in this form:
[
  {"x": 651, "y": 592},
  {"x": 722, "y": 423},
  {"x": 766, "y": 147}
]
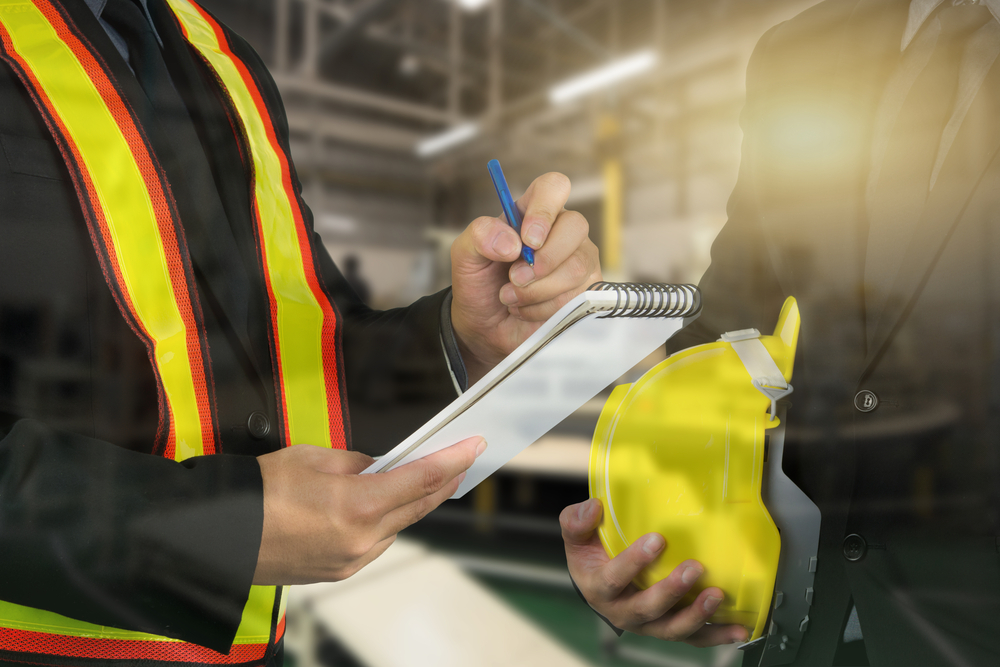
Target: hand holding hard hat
[
  {"x": 654, "y": 611},
  {"x": 683, "y": 453}
]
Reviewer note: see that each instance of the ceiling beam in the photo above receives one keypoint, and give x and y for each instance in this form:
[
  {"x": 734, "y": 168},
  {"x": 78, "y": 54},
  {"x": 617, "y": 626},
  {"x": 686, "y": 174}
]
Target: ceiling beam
[
  {"x": 564, "y": 26},
  {"x": 353, "y": 131},
  {"x": 348, "y": 30},
  {"x": 360, "y": 98}
]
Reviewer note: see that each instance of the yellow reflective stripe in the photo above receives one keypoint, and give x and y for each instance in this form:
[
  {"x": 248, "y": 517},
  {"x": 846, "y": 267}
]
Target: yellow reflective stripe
[
  {"x": 283, "y": 606},
  {"x": 299, "y": 315},
  {"x": 125, "y": 201},
  {"x": 255, "y": 626},
  {"x": 39, "y": 620}
]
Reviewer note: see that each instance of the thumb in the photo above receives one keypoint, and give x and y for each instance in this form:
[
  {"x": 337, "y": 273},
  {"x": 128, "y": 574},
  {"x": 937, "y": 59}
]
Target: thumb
[{"x": 580, "y": 521}]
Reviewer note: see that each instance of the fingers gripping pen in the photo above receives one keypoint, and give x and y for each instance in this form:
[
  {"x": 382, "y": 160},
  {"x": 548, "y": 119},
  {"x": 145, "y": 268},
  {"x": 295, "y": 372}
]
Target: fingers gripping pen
[{"x": 509, "y": 208}]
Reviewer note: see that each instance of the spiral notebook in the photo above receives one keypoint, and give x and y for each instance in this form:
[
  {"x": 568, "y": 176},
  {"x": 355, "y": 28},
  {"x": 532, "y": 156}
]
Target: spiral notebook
[{"x": 588, "y": 344}]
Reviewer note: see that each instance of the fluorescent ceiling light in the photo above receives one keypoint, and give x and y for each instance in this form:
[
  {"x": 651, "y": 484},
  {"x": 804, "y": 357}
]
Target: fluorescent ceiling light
[
  {"x": 447, "y": 139},
  {"x": 602, "y": 77},
  {"x": 472, "y": 5}
]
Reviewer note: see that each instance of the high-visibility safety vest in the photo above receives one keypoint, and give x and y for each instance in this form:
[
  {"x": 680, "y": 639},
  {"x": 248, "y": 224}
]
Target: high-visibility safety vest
[{"x": 139, "y": 240}]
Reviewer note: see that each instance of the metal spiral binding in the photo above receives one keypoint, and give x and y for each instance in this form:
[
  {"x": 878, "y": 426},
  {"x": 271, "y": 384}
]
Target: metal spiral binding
[{"x": 651, "y": 299}]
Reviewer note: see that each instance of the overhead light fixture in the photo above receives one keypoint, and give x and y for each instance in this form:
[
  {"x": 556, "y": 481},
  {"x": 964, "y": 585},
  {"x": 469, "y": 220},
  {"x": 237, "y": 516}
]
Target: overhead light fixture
[
  {"x": 602, "y": 77},
  {"x": 447, "y": 139},
  {"x": 472, "y": 5}
]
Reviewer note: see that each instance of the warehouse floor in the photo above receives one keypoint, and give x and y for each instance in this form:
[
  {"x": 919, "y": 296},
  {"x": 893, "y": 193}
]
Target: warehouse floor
[{"x": 526, "y": 574}]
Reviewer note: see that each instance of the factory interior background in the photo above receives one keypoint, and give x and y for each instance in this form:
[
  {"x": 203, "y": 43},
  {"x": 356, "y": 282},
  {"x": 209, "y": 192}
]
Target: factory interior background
[{"x": 395, "y": 107}]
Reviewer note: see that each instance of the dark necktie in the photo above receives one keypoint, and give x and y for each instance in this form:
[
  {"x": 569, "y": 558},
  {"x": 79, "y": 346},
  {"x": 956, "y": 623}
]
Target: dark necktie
[
  {"x": 180, "y": 153},
  {"x": 145, "y": 57},
  {"x": 904, "y": 164}
]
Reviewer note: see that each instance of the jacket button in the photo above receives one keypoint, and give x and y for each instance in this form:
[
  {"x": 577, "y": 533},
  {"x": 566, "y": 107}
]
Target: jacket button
[
  {"x": 865, "y": 401},
  {"x": 258, "y": 425},
  {"x": 855, "y": 547}
]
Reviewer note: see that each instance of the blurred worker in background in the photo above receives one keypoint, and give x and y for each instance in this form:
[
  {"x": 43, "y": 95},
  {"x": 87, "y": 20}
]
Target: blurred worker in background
[
  {"x": 868, "y": 190},
  {"x": 354, "y": 278},
  {"x": 171, "y": 328}
]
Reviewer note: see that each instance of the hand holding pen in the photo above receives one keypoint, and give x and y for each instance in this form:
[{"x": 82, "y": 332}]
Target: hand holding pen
[{"x": 498, "y": 299}]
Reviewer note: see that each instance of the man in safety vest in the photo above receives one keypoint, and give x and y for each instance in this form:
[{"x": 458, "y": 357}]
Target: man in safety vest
[
  {"x": 184, "y": 373},
  {"x": 869, "y": 189}
]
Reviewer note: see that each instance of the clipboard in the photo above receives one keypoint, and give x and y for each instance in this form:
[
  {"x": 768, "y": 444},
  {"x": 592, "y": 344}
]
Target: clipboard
[{"x": 585, "y": 346}]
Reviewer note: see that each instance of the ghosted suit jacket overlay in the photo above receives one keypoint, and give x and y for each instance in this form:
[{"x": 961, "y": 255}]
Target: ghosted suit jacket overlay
[
  {"x": 92, "y": 526},
  {"x": 918, "y": 477}
]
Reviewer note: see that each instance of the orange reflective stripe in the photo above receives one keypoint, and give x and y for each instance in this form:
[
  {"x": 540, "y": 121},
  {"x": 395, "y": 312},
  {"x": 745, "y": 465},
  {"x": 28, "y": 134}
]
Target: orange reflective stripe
[
  {"x": 27, "y": 630},
  {"x": 303, "y": 320},
  {"x": 145, "y": 650},
  {"x": 129, "y": 210}
]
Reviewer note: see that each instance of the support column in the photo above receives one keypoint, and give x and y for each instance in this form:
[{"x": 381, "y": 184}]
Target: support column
[
  {"x": 455, "y": 61},
  {"x": 310, "y": 56},
  {"x": 609, "y": 139},
  {"x": 496, "y": 61},
  {"x": 281, "y": 12}
]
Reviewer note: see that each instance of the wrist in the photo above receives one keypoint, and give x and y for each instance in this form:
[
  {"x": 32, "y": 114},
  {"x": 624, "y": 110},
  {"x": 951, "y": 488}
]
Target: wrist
[
  {"x": 477, "y": 360},
  {"x": 475, "y": 366}
]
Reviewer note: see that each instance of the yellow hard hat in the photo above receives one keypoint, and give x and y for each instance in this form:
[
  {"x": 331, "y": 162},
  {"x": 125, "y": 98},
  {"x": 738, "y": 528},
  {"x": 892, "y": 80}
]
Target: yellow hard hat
[{"x": 683, "y": 452}]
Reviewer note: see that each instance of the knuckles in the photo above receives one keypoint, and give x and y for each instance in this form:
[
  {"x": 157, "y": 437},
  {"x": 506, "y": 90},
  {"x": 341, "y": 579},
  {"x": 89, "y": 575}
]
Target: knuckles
[
  {"x": 672, "y": 636},
  {"x": 358, "y": 549},
  {"x": 434, "y": 478},
  {"x": 345, "y": 572},
  {"x": 577, "y": 267},
  {"x": 365, "y": 514},
  {"x": 548, "y": 206},
  {"x": 358, "y": 462},
  {"x": 628, "y": 621},
  {"x": 576, "y": 221},
  {"x": 555, "y": 181},
  {"x": 481, "y": 227},
  {"x": 609, "y": 583},
  {"x": 418, "y": 511},
  {"x": 641, "y": 616},
  {"x": 478, "y": 233}
]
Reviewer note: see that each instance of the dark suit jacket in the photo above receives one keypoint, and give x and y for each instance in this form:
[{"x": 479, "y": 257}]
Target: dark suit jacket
[
  {"x": 918, "y": 477},
  {"x": 91, "y": 525}
]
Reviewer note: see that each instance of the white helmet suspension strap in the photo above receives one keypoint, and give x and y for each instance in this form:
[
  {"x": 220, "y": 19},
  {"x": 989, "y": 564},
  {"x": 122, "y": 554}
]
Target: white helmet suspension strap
[{"x": 767, "y": 378}]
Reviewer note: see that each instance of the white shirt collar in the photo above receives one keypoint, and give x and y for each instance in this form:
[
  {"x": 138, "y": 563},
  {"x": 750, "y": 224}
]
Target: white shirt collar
[{"x": 920, "y": 10}]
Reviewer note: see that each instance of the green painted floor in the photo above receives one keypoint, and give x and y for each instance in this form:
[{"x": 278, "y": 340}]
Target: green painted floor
[
  {"x": 556, "y": 610},
  {"x": 569, "y": 621},
  {"x": 563, "y": 615}
]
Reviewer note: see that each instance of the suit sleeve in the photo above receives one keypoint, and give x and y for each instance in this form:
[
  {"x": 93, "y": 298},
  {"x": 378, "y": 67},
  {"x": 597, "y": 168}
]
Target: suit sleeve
[
  {"x": 114, "y": 537},
  {"x": 395, "y": 363},
  {"x": 740, "y": 289}
]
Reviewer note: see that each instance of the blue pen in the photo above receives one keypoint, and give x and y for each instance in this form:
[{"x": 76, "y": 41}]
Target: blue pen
[{"x": 509, "y": 208}]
